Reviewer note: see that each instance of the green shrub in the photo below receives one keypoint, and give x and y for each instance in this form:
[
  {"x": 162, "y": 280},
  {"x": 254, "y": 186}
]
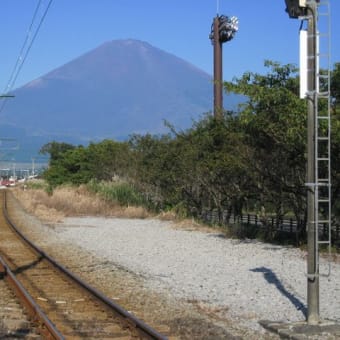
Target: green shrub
[{"x": 119, "y": 192}]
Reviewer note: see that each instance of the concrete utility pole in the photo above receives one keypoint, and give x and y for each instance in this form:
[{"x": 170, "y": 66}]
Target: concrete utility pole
[{"x": 312, "y": 260}]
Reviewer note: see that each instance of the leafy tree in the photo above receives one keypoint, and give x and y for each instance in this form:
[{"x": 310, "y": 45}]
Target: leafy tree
[
  {"x": 193, "y": 170},
  {"x": 55, "y": 150},
  {"x": 68, "y": 164},
  {"x": 215, "y": 174},
  {"x": 76, "y": 164},
  {"x": 155, "y": 166},
  {"x": 274, "y": 122},
  {"x": 108, "y": 159},
  {"x": 335, "y": 84},
  {"x": 335, "y": 140}
]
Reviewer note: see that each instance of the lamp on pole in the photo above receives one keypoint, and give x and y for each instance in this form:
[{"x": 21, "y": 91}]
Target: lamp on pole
[{"x": 223, "y": 29}]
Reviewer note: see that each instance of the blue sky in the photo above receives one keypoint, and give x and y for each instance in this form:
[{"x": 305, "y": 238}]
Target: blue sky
[{"x": 180, "y": 27}]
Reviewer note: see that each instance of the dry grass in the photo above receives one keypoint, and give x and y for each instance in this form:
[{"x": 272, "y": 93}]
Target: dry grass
[
  {"x": 69, "y": 201},
  {"x": 167, "y": 216}
]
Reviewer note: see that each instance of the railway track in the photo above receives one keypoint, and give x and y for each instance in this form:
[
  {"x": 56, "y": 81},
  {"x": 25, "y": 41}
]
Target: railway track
[
  {"x": 14, "y": 320},
  {"x": 60, "y": 305}
]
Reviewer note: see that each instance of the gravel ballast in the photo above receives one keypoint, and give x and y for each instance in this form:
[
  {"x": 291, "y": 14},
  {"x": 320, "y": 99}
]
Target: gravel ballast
[{"x": 247, "y": 280}]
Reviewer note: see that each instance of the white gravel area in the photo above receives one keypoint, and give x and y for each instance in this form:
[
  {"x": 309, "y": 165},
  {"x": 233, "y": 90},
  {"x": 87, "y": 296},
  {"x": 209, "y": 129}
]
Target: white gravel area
[{"x": 251, "y": 280}]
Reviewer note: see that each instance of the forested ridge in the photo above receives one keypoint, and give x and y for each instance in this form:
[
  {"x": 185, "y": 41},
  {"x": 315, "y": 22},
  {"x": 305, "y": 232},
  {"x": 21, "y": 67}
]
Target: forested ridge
[{"x": 252, "y": 160}]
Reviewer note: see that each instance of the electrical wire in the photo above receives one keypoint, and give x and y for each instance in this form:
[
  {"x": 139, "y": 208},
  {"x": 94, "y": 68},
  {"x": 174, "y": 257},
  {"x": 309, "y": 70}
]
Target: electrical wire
[
  {"x": 32, "y": 41},
  {"x": 23, "y": 55},
  {"x": 20, "y": 56}
]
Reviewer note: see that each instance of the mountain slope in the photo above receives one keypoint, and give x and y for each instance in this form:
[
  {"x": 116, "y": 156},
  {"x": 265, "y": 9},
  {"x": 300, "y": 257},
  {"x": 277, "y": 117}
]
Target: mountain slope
[{"x": 121, "y": 87}]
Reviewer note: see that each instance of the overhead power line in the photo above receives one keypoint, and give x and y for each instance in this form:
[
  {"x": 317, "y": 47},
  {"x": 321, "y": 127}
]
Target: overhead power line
[
  {"x": 25, "y": 49},
  {"x": 21, "y": 54}
]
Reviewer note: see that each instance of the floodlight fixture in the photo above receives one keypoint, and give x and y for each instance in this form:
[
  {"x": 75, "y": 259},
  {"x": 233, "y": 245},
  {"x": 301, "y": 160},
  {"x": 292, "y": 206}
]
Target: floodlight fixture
[
  {"x": 295, "y": 8},
  {"x": 298, "y": 8},
  {"x": 227, "y": 27}
]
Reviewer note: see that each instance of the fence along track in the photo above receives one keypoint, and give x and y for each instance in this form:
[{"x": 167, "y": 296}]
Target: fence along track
[
  {"x": 290, "y": 226},
  {"x": 77, "y": 310}
]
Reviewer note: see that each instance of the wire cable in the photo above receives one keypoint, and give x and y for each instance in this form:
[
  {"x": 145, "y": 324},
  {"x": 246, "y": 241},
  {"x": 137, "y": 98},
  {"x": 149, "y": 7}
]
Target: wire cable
[
  {"x": 20, "y": 56},
  {"x": 21, "y": 60},
  {"x": 32, "y": 41}
]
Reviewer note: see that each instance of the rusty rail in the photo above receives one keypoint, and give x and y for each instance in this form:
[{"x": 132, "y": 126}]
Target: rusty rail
[
  {"x": 136, "y": 325},
  {"x": 48, "y": 330}
]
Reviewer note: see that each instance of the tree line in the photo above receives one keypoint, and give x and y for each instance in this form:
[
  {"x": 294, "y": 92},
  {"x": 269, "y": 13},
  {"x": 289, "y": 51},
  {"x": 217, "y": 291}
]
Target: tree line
[{"x": 250, "y": 160}]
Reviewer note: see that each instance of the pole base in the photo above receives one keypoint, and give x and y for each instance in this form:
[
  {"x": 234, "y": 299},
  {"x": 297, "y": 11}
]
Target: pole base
[{"x": 324, "y": 330}]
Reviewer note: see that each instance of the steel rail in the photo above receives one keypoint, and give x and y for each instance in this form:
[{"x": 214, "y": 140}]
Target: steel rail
[
  {"x": 133, "y": 322},
  {"x": 48, "y": 329}
]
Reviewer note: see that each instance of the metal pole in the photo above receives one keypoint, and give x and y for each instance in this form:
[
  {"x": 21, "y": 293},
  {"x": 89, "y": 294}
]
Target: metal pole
[
  {"x": 312, "y": 260},
  {"x": 218, "y": 97}
]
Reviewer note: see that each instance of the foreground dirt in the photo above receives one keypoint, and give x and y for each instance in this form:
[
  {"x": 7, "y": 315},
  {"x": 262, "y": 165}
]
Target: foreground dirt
[{"x": 182, "y": 319}]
